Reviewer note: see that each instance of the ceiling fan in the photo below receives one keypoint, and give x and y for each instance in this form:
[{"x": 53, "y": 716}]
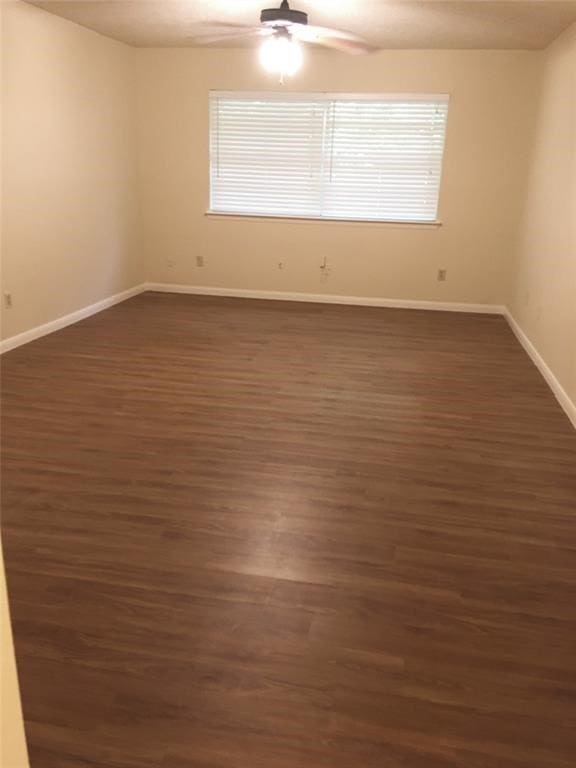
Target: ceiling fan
[{"x": 283, "y": 29}]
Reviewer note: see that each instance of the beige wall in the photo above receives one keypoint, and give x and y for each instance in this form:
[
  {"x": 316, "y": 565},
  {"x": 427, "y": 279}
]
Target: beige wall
[
  {"x": 13, "y": 752},
  {"x": 489, "y": 130},
  {"x": 12, "y": 741},
  {"x": 93, "y": 129},
  {"x": 69, "y": 199},
  {"x": 543, "y": 297}
]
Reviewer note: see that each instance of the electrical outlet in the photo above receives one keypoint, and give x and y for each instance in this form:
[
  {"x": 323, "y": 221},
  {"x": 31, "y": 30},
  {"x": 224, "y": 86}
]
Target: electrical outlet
[
  {"x": 442, "y": 275},
  {"x": 170, "y": 263},
  {"x": 8, "y": 300},
  {"x": 324, "y": 270},
  {"x": 199, "y": 261}
]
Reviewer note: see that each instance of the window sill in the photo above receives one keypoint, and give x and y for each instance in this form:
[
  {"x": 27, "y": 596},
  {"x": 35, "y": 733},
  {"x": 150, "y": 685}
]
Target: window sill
[{"x": 317, "y": 219}]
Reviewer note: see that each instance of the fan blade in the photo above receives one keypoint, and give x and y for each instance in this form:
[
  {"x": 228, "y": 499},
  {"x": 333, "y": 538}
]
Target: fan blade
[
  {"x": 331, "y": 38},
  {"x": 239, "y": 34},
  {"x": 216, "y": 24}
]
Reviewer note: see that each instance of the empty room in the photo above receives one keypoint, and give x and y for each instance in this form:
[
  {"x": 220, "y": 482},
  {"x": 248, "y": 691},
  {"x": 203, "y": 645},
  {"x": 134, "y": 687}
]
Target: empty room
[{"x": 288, "y": 384}]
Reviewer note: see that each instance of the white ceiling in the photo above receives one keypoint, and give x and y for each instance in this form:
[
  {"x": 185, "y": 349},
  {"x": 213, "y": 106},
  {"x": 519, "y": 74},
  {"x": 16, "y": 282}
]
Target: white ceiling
[{"x": 529, "y": 24}]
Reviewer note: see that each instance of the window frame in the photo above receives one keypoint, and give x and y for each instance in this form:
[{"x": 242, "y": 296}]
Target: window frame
[{"x": 441, "y": 97}]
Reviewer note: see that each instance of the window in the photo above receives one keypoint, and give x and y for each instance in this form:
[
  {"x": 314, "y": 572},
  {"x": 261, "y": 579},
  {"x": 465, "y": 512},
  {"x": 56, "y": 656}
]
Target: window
[{"x": 375, "y": 158}]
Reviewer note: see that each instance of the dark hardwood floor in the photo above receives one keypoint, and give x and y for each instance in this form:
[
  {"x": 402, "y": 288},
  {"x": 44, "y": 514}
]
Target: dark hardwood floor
[{"x": 248, "y": 534}]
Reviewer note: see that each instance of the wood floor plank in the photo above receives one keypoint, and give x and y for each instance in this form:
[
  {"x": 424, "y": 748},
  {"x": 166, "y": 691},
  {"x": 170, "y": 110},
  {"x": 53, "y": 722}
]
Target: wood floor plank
[{"x": 250, "y": 534}]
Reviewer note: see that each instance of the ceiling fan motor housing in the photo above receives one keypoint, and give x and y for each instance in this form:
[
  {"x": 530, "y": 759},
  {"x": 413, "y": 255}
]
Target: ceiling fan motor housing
[{"x": 283, "y": 16}]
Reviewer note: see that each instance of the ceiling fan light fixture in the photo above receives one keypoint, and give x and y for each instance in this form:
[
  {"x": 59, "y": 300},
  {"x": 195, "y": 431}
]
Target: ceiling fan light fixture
[{"x": 280, "y": 54}]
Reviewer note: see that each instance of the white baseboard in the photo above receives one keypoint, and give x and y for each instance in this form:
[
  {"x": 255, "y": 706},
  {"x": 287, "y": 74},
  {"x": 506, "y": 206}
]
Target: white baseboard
[
  {"x": 61, "y": 322},
  {"x": 560, "y": 393},
  {"x": 326, "y": 298}
]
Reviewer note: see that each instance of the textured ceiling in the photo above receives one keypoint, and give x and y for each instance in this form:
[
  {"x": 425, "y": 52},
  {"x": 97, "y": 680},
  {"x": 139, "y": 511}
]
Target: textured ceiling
[{"x": 526, "y": 24}]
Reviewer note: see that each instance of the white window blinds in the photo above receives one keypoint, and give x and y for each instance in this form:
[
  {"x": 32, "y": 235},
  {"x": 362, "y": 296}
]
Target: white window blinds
[{"x": 376, "y": 158}]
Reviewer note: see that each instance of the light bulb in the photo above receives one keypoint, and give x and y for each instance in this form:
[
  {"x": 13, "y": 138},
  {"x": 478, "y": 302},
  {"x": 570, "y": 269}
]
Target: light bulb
[{"x": 281, "y": 55}]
